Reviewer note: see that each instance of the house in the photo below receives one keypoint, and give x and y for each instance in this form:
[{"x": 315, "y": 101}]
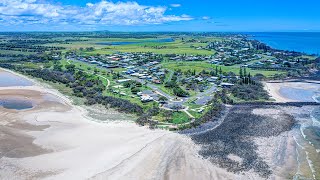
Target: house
[
  {"x": 199, "y": 79},
  {"x": 156, "y": 81},
  {"x": 226, "y": 85},
  {"x": 212, "y": 79},
  {"x": 123, "y": 80},
  {"x": 146, "y": 98},
  {"x": 93, "y": 62},
  {"x": 130, "y": 71},
  {"x": 135, "y": 74}
]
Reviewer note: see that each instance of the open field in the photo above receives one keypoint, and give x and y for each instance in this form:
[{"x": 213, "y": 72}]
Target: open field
[
  {"x": 176, "y": 47},
  {"x": 198, "y": 66},
  {"x": 15, "y": 52}
]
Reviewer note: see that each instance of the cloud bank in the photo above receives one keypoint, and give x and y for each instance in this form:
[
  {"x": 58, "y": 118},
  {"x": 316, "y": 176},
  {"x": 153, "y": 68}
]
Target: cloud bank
[{"x": 17, "y": 12}]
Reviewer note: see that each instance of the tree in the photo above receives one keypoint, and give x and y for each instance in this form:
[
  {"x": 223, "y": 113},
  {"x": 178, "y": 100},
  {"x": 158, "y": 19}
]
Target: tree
[
  {"x": 57, "y": 66},
  {"x": 167, "y": 114},
  {"x": 143, "y": 120},
  {"x": 249, "y": 78},
  {"x": 216, "y": 70},
  {"x": 241, "y": 73},
  {"x": 162, "y": 99},
  {"x": 127, "y": 84},
  {"x": 96, "y": 70},
  {"x": 176, "y": 107},
  {"x": 180, "y": 92},
  {"x": 135, "y": 90},
  {"x": 220, "y": 71},
  {"x": 70, "y": 67}
]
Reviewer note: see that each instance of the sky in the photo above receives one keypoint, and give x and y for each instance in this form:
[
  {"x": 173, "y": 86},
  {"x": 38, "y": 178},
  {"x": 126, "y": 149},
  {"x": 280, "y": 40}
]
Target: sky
[{"x": 160, "y": 15}]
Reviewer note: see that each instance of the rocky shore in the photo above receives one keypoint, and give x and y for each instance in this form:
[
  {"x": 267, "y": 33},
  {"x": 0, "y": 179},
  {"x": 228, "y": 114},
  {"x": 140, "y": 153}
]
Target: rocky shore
[{"x": 231, "y": 145}]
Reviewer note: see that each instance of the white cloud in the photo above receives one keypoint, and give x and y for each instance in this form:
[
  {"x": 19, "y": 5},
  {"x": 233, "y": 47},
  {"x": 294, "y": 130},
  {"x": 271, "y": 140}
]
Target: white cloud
[
  {"x": 100, "y": 13},
  {"x": 175, "y": 5},
  {"x": 206, "y": 18}
]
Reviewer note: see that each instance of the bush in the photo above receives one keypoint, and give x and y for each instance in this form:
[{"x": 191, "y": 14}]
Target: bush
[{"x": 249, "y": 92}]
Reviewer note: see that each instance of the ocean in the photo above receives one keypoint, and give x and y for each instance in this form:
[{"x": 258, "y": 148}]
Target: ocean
[{"x": 306, "y": 42}]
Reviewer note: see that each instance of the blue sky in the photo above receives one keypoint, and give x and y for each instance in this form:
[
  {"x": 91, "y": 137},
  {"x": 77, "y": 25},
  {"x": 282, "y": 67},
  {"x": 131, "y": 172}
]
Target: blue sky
[{"x": 160, "y": 15}]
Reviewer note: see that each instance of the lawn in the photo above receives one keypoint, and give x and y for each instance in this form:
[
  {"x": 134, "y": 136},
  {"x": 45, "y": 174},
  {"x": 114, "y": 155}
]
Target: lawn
[{"x": 180, "y": 117}]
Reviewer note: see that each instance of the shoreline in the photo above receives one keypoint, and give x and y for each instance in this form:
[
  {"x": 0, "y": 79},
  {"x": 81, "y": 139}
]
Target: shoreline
[
  {"x": 78, "y": 148},
  {"x": 274, "y": 89}
]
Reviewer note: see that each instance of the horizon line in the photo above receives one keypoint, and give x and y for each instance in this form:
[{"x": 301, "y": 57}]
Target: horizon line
[{"x": 288, "y": 31}]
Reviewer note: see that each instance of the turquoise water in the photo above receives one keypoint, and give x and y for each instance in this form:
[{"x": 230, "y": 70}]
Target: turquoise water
[
  {"x": 16, "y": 104},
  {"x": 132, "y": 42},
  {"x": 8, "y": 79},
  {"x": 307, "y": 42}
]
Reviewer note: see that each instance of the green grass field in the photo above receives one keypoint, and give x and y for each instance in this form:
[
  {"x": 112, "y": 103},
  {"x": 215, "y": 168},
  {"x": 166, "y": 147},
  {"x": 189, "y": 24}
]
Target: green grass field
[
  {"x": 15, "y": 52},
  {"x": 176, "y": 47},
  {"x": 143, "y": 45},
  {"x": 198, "y": 66}
]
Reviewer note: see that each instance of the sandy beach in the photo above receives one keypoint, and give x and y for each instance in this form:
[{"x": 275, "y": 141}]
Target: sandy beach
[
  {"x": 56, "y": 140},
  {"x": 274, "y": 88}
]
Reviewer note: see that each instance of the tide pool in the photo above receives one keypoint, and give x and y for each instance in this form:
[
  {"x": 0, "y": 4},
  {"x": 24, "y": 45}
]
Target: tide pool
[
  {"x": 8, "y": 79},
  {"x": 298, "y": 94},
  {"x": 16, "y": 104}
]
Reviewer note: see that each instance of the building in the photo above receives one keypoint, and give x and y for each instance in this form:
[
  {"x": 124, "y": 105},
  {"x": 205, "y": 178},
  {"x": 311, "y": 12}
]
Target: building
[{"x": 123, "y": 80}]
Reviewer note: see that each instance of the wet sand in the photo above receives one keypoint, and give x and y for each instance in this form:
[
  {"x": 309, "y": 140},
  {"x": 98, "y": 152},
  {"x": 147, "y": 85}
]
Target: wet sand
[
  {"x": 305, "y": 134},
  {"x": 280, "y": 90},
  {"x": 56, "y": 140}
]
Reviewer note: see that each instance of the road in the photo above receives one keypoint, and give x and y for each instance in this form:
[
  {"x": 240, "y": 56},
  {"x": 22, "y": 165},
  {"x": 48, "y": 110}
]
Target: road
[
  {"x": 91, "y": 72},
  {"x": 152, "y": 86},
  {"x": 172, "y": 101}
]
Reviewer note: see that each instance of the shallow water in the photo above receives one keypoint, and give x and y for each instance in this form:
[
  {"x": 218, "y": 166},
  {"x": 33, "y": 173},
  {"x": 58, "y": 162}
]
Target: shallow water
[
  {"x": 298, "y": 94},
  {"x": 8, "y": 79},
  {"x": 17, "y": 104}
]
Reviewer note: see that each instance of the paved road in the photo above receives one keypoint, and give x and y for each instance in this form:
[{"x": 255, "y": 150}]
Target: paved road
[
  {"x": 206, "y": 95},
  {"x": 152, "y": 86},
  {"x": 92, "y": 72},
  {"x": 172, "y": 101}
]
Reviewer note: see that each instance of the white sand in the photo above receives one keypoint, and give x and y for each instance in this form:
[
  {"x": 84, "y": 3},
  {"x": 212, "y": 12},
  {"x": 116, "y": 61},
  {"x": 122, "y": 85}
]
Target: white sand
[
  {"x": 274, "y": 88},
  {"x": 274, "y": 91},
  {"x": 74, "y": 147}
]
